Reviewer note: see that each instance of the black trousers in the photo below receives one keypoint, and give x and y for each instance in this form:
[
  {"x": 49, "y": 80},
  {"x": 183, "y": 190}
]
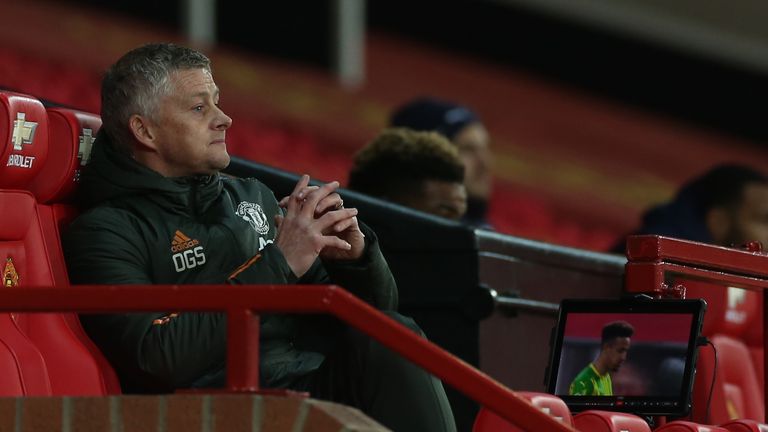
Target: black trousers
[{"x": 362, "y": 373}]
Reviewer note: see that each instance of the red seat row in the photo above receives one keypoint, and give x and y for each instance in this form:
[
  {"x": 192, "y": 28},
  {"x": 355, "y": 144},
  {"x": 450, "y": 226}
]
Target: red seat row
[
  {"x": 42, "y": 354},
  {"x": 604, "y": 421}
]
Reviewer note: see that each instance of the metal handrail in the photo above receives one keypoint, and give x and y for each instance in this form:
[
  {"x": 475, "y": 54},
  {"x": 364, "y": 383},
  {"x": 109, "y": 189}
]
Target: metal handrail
[
  {"x": 240, "y": 303},
  {"x": 509, "y": 303}
]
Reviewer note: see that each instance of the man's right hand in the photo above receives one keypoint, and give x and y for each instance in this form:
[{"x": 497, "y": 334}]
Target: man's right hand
[{"x": 300, "y": 235}]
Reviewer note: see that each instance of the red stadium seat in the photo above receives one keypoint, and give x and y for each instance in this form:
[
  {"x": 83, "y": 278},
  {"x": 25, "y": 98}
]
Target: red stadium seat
[
  {"x": 744, "y": 426},
  {"x": 31, "y": 242},
  {"x": 71, "y": 135},
  {"x": 732, "y": 314},
  {"x": 22, "y": 366},
  {"x": 686, "y": 426},
  {"x": 753, "y": 337},
  {"x": 24, "y": 126},
  {"x": 608, "y": 421},
  {"x": 22, "y": 369},
  {"x": 69, "y": 365},
  {"x": 488, "y": 421}
]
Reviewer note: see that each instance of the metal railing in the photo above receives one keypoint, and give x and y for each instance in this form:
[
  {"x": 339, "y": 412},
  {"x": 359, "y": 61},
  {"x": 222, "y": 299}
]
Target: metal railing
[{"x": 240, "y": 304}]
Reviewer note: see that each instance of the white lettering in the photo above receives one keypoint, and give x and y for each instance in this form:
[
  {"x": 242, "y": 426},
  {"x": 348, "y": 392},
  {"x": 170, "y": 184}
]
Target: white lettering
[
  {"x": 199, "y": 255},
  {"x": 178, "y": 261},
  {"x": 188, "y": 259},
  {"x": 263, "y": 243},
  {"x": 20, "y": 161}
]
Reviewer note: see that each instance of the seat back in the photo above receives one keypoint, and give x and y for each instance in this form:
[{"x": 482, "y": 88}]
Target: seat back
[
  {"x": 686, "y": 426},
  {"x": 24, "y": 134},
  {"x": 73, "y": 364},
  {"x": 739, "y": 380},
  {"x": 22, "y": 368},
  {"x": 71, "y": 136},
  {"x": 754, "y": 338},
  {"x": 744, "y": 426},
  {"x": 488, "y": 421},
  {"x": 608, "y": 421},
  {"x": 733, "y": 316}
]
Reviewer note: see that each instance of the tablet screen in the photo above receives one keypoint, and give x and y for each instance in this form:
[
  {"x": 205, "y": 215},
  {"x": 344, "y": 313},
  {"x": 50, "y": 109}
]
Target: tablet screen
[{"x": 634, "y": 356}]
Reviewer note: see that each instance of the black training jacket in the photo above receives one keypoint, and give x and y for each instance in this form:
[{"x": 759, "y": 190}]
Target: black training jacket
[{"x": 138, "y": 227}]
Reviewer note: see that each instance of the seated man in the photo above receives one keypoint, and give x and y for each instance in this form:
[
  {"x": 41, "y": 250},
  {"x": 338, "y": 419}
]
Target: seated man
[
  {"x": 726, "y": 206},
  {"x": 157, "y": 211},
  {"x": 421, "y": 170},
  {"x": 595, "y": 379},
  {"x": 465, "y": 130}
]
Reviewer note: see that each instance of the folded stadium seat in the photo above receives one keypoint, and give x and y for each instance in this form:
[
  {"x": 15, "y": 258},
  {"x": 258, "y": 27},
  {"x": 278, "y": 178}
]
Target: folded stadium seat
[
  {"x": 74, "y": 364},
  {"x": 744, "y": 426},
  {"x": 686, "y": 426},
  {"x": 609, "y": 421},
  {"x": 488, "y": 421},
  {"x": 737, "y": 393}
]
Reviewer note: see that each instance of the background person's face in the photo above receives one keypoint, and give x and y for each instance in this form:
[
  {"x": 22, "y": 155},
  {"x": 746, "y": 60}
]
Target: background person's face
[
  {"x": 441, "y": 198},
  {"x": 189, "y": 127},
  {"x": 615, "y": 353},
  {"x": 473, "y": 144},
  {"x": 751, "y": 217}
]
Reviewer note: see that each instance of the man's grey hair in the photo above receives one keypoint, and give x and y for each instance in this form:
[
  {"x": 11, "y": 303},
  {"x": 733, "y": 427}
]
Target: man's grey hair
[{"x": 136, "y": 83}]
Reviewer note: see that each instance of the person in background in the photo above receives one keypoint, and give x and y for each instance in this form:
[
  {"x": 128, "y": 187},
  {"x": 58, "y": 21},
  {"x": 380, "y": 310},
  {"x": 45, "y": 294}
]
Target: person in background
[
  {"x": 725, "y": 206},
  {"x": 595, "y": 379},
  {"x": 465, "y": 130},
  {"x": 421, "y": 170}
]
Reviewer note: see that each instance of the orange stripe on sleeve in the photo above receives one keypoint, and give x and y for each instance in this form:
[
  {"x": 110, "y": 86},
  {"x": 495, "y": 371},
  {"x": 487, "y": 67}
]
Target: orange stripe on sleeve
[{"x": 243, "y": 267}]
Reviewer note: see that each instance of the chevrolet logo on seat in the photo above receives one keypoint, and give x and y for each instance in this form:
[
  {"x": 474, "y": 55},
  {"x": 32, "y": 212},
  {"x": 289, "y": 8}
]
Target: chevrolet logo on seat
[
  {"x": 23, "y": 131},
  {"x": 86, "y": 143}
]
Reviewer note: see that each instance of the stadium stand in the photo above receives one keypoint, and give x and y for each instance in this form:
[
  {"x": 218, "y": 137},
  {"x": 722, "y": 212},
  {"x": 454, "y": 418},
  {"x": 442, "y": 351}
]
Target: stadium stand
[
  {"x": 29, "y": 345},
  {"x": 66, "y": 357},
  {"x": 31, "y": 342}
]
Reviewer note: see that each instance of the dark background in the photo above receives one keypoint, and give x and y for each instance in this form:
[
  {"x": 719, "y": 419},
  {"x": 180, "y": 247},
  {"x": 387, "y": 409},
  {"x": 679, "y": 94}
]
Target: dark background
[{"x": 696, "y": 90}]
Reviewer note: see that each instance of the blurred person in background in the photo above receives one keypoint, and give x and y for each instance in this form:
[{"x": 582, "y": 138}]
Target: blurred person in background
[
  {"x": 726, "y": 206},
  {"x": 465, "y": 130},
  {"x": 421, "y": 170}
]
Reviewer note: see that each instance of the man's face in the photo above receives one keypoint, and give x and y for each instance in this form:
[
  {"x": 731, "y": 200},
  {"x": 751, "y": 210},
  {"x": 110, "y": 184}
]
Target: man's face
[
  {"x": 189, "y": 128},
  {"x": 473, "y": 145},
  {"x": 750, "y": 218},
  {"x": 615, "y": 353},
  {"x": 441, "y": 198}
]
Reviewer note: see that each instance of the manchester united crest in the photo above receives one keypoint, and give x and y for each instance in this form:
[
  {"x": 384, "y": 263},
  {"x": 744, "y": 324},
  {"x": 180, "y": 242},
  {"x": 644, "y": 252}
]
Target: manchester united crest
[
  {"x": 254, "y": 215},
  {"x": 10, "y": 277}
]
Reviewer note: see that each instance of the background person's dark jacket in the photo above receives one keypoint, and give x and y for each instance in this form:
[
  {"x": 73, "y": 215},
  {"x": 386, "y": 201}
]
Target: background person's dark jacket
[
  {"x": 139, "y": 227},
  {"x": 683, "y": 218}
]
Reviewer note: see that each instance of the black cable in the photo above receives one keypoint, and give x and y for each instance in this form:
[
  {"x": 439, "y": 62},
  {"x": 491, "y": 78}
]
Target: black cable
[{"x": 714, "y": 375}]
